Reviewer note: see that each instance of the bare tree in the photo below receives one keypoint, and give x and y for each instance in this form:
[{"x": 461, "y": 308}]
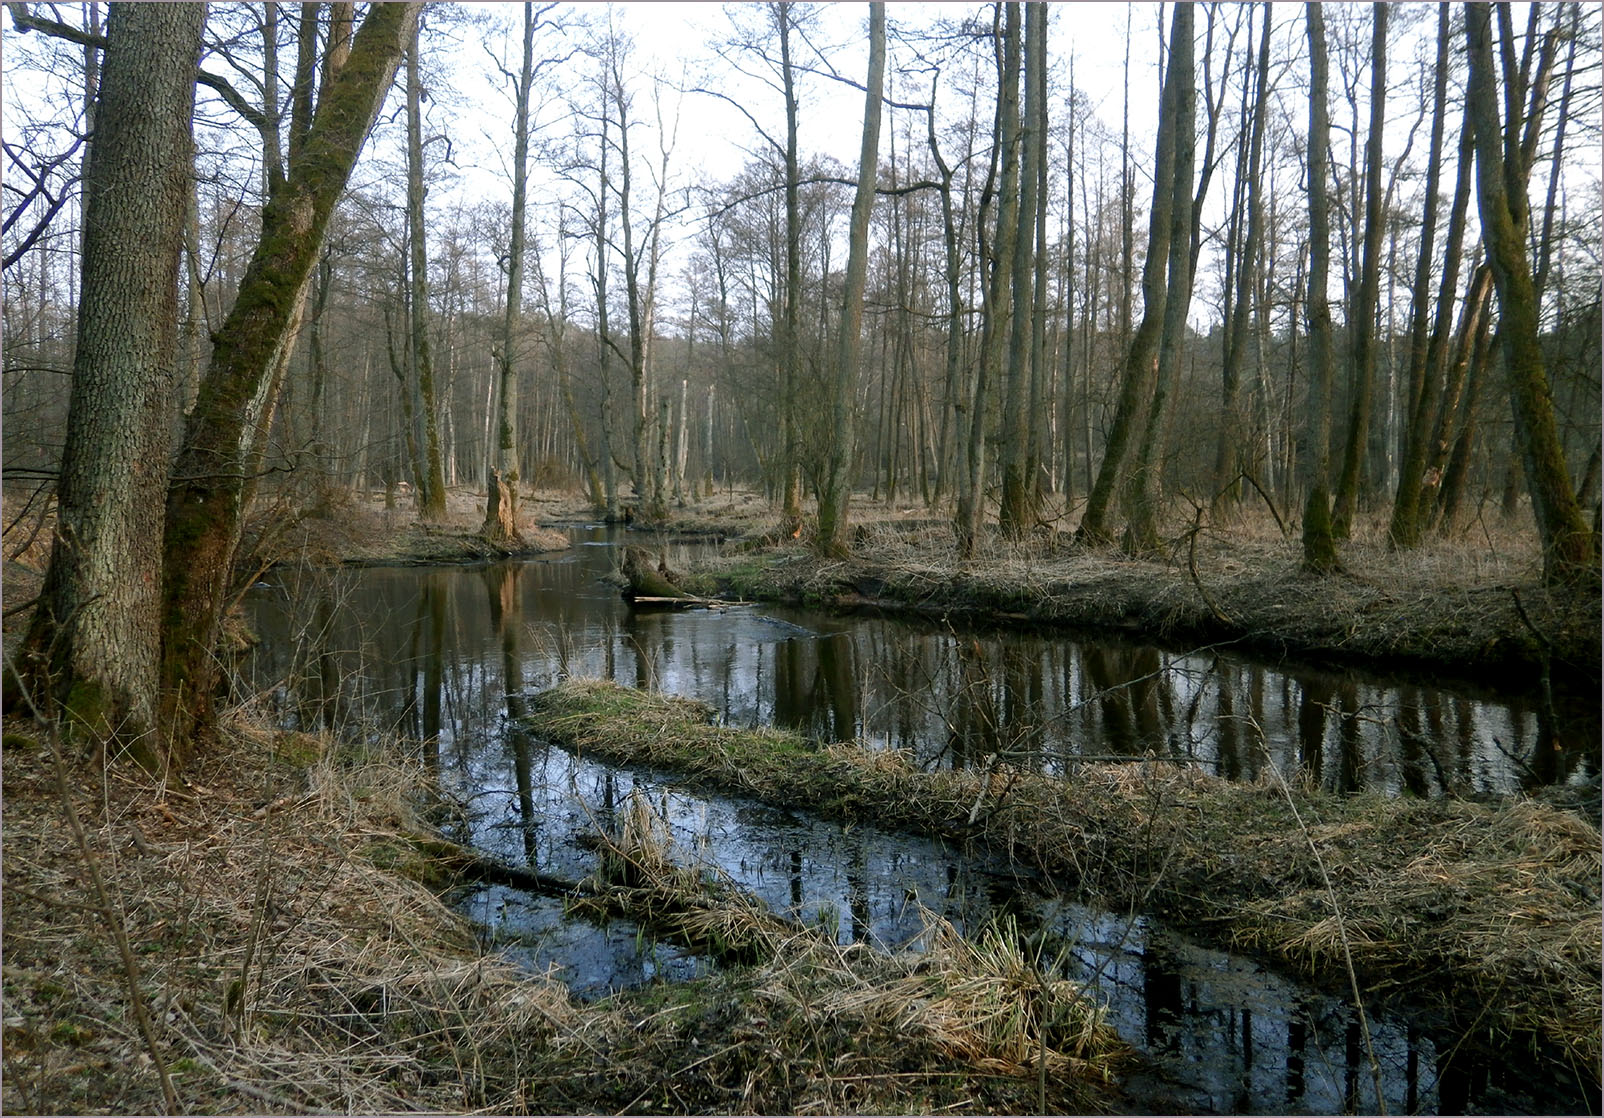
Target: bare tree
[
  {"x": 1504, "y": 150},
  {"x": 836, "y": 492}
]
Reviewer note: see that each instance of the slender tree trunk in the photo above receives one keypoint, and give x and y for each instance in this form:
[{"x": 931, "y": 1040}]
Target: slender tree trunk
[
  {"x": 433, "y": 506},
  {"x": 501, "y": 517},
  {"x": 1319, "y": 541},
  {"x": 836, "y": 494},
  {"x": 1141, "y": 360},
  {"x": 1425, "y": 352},
  {"x": 95, "y": 642},
  {"x": 1362, "y": 326},
  {"x": 1016, "y": 223},
  {"x": 1143, "y": 488},
  {"x": 1228, "y": 458},
  {"x": 205, "y": 503}
]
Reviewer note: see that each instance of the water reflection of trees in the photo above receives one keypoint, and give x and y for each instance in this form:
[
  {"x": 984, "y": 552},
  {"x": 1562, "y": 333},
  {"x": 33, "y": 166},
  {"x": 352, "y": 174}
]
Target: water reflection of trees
[{"x": 434, "y": 654}]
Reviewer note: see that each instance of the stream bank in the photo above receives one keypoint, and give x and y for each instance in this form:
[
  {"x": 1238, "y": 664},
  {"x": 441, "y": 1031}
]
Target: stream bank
[
  {"x": 292, "y": 960},
  {"x": 1489, "y": 913}
]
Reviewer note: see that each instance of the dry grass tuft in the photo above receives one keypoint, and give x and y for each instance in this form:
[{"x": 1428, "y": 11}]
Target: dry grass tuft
[{"x": 826, "y": 1028}]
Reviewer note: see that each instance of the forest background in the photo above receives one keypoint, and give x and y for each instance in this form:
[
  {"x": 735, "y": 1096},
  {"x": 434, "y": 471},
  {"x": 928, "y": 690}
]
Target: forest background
[{"x": 1095, "y": 292}]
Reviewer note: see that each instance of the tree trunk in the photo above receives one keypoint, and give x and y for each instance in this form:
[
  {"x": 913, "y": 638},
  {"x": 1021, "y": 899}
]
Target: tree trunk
[
  {"x": 1362, "y": 325},
  {"x": 836, "y": 494},
  {"x": 1568, "y": 545},
  {"x": 95, "y": 641},
  {"x": 1319, "y": 541},
  {"x": 433, "y": 497},
  {"x": 1426, "y": 354},
  {"x": 205, "y": 504},
  {"x": 507, "y": 398},
  {"x": 1143, "y": 488},
  {"x": 1228, "y": 461},
  {"x": 1021, "y": 158},
  {"x": 1141, "y": 360}
]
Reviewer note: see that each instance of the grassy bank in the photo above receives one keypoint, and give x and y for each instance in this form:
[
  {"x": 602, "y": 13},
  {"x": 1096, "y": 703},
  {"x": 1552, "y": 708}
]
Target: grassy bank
[
  {"x": 1448, "y": 608},
  {"x": 1490, "y": 912}
]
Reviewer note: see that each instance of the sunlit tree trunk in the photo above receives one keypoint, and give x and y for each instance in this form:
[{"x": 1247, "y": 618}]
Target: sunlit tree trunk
[{"x": 836, "y": 493}]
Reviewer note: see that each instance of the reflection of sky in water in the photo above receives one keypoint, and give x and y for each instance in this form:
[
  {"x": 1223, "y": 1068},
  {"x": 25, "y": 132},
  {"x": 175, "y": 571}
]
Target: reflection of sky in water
[{"x": 428, "y": 651}]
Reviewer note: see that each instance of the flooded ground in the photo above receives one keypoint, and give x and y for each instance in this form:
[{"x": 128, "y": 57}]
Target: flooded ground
[{"x": 444, "y": 654}]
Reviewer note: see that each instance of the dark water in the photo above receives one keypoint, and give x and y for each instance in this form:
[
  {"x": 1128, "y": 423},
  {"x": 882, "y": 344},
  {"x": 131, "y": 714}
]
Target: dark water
[{"x": 443, "y": 655}]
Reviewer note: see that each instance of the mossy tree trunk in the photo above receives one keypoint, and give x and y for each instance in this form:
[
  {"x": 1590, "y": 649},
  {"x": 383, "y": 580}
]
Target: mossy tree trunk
[
  {"x": 206, "y": 500},
  {"x": 1501, "y": 164},
  {"x": 95, "y": 641}
]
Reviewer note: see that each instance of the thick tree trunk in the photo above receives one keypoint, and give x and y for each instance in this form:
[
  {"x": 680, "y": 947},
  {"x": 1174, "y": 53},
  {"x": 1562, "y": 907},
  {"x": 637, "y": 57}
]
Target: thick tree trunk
[
  {"x": 1568, "y": 544},
  {"x": 205, "y": 504},
  {"x": 95, "y": 643},
  {"x": 835, "y": 495}
]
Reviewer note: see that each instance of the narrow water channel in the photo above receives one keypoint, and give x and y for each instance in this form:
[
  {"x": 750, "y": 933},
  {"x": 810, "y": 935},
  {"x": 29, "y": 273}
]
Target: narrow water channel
[{"x": 443, "y": 654}]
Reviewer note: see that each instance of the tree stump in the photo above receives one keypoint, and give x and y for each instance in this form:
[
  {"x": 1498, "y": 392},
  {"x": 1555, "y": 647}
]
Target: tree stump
[
  {"x": 500, "y": 527},
  {"x": 646, "y": 580}
]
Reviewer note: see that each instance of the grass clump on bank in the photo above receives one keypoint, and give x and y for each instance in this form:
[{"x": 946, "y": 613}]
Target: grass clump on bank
[
  {"x": 286, "y": 962},
  {"x": 1492, "y": 913},
  {"x": 805, "y": 1025}
]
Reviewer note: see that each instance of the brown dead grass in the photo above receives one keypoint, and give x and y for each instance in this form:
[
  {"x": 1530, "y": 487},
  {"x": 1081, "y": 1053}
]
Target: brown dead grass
[
  {"x": 286, "y": 961},
  {"x": 960, "y": 1025}
]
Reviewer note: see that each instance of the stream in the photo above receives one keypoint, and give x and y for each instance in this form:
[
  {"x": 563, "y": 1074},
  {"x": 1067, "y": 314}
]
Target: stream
[{"x": 444, "y": 655}]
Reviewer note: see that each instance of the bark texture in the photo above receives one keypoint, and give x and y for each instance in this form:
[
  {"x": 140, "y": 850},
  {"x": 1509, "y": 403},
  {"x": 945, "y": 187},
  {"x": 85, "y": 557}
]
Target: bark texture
[{"x": 96, "y": 637}]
